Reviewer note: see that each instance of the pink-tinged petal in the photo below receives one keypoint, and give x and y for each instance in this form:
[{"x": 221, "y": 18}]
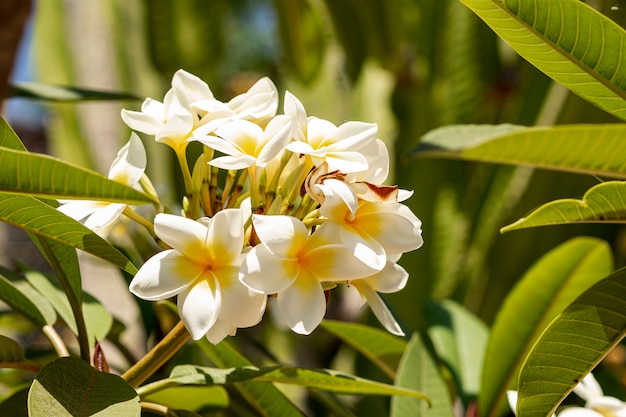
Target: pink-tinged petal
[
  {"x": 340, "y": 201},
  {"x": 391, "y": 279},
  {"x": 393, "y": 225},
  {"x": 276, "y": 137},
  {"x": 105, "y": 216},
  {"x": 268, "y": 274},
  {"x": 219, "y": 331},
  {"x": 303, "y": 304},
  {"x": 141, "y": 122},
  {"x": 352, "y": 135},
  {"x": 190, "y": 88},
  {"x": 233, "y": 162},
  {"x": 379, "y": 308},
  {"x": 199, "y": 306},
  {"x": 294, "y": 108},
  {"x": 241, "y": 307},
  {"x": 130, "y": 163},
  {"x": 185, "y": 235},
  {"x": 164, "y": 275},
  {"x": 224, "y": 239},
  {"x": 79, "y": 210},
  {"x": 282, "y": 235}
]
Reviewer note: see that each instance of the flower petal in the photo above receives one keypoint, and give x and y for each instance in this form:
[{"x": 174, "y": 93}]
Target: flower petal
[
  {"x": 294, "y": 108},
  {"x": 282, "y": 235},
  {"x": 219, "y": 331},
  {"x": 130, "y": 163},
  {"x": 379, "y": 308},
  {"x": 303, "y": 304},
  {"x": 189, "y": 88},
  {"x": 266, "y": 273},
  {"x": 391, "y": 279},
  {"x": 199, "y": 306},
  {"x": 241, "y": 307},
  {"x": 224, "y": 238},
  {"x": 588, "y": 388},
  {"x": 164, "y": 275},
  {"x": 276, "y": 137},
  {"x": 233, "y": 162},
  {"x": 104, "y": 216},
  {"x": 185, "y": 235},
  {"x": 353, "y": 135},
  {"x": 141, "y": 122},
  {"x": 80, "y": 209}
]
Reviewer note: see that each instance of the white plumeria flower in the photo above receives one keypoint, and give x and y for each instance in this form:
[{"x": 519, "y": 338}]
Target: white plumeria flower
[
  {"x": 202, "y": 269},
  {"x": 293, "y": 264},
  {"x": 321, "y": 141},
  {"x": 173, "y": 121},
  {"x": 391, "y": 279},
  {"x": 372, "y": 230},
  {"x": 245, "y": 144},
  {"x": 127, "y": 168}
]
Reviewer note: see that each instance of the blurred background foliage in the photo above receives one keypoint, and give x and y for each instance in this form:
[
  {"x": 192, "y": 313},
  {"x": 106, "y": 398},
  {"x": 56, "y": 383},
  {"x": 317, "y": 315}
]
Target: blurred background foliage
[{"x": 408, "y": 65}]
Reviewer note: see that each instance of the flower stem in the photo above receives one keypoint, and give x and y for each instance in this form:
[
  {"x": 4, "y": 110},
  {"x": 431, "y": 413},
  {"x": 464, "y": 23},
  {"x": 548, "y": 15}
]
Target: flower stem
[
  {"x": 55, "y": 340},
  {"x": 131, "y": 214},
  {"x": 159, "y": 354}
]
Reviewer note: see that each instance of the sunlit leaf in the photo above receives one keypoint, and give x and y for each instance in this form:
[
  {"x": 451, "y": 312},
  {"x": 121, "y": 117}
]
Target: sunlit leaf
[
  {"x": 35, "y": 216},
  {"x": 546, "y": 289},
  {"x": 191, "y": 397},
  {"x": 8, "y": 138},
  {"x": 459, "y": 339},
  {"x": 419, "y": 371},
  {"x": 380, "y": 347},
  {"x": 568, "y": 41},
  {"x": 588, "y": 149},
  {"x": 50, "y": 92},
  {"x": 49, "y": 177},
  {"x": 70, "y": 387},
  {"x": 602, "y": 203},
  {"x": 573, "y": 344}
]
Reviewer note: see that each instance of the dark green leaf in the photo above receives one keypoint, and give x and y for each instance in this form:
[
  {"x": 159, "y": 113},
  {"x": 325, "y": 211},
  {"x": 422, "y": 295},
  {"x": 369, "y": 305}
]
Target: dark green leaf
[
  {"x": 51, "y": 92},
  {"x": 36, "y": 309},
  {"x": 8, "y": 138},
  {"x": 10, "y": 350}
]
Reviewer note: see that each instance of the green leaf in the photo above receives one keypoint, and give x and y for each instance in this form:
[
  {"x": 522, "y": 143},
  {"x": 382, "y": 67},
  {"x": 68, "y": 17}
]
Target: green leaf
[
  {"x": 69, "y": 387},
  {"x": 14, "y": 405},
  {"x": 572, "y": 345},
  {"x": 380, "y": 347},
  {"x": 601, "y": 203},
  {"x": 549, "y": 286},
  {"x": 52, "y": 92},
  {"x": 8, "y": 138},
  {"x": 49, "y": 177},
  {"x": 325, "y": 379},
  {"x": 35, "y": 216},
  {"x": 195, "y": 398},
  {"x": 459, "y": 339},
  {"x": 419, "y": 371},
  {"x": 567, "y": 40},
  {"x": 588, "y": 149},
  {"x": 34, "y": 308},
  {"x": 265, "y": 398},
  {"x": 10, "y": 350}
]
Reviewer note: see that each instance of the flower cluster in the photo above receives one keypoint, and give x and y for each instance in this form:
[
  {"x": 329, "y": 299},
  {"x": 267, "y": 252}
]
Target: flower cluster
[
  {"x": 596, "y": 403},
  {"x": 281, "y": 205}
]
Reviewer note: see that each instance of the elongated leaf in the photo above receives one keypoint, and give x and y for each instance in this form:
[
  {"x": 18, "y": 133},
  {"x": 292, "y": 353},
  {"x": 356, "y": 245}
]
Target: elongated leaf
[
  {"x": 266, "y": 399},
  {"x": 589, "y": 149},
  {"x": 34, "y": 308},
  {"x": 602, "y": 203},
  {"x": 419, "y": 371},
  {"x": 48, "y": 177},
  {"x": 10, "y": 350},
  {"x": 52, "y": 92},
  {"x": 325, "y": 379},
  {"x": 459, "y": 339},
  {"x": 8, "y": 138},
  {"x": 573, "y": 344},
  {"x": 68, "y": 387},
  {"x": 567, "y": 40},
  {"x": 191, "y": 397},
  {"x": 35, "y": 216},
  {"x": 546, "y": 289},
  {"x": 382, "y": 348}
]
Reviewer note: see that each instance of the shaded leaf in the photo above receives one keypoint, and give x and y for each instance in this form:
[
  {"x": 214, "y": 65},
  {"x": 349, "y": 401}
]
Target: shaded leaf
[
  {"x": 549, "y": 286},
  {"x": 52, "y": 92},
  {"x": 8, "y": 138},
  {"x": 602, "y": 203},
  {"x": 35, "y": 216},
  {"x": 70, "y": 387},
  {"x": 15, "y": 404},
  {"x": 380, "y": 347},
  {"x": 573, "y": 344},
  {"x": 36, "y": 309},
  {"x": 567, "y": 40},
  {"x": 419, "y": 371},
  {"x": 589, "y": 149},
  {"x": 49, "y": 177},
  {"x": 10, "y": 350}
]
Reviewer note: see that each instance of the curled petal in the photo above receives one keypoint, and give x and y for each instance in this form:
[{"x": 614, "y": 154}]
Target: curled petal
[
  {"x": 199, "y": 306},
  {"x": 79, "y": 210},
  {"x": 185, "y": 235},
  {"x": 276, "y": 137},
  {"x": 190, "y": 88},
  {"x": 353, "y": 135},
  {"x": 219, "y": 331},
  {"x": 393, "y": 225},
  {"x": 164, "y": 275},
  {"x": 303, "y": 304},
  {"x": 379, "y": 308},
  {"x": 104, "y": 216},
  {"x": 142, "y": 122},
  {"x": 295, "y": 109},
  {"x": 340, "y": 201},
  {"x": 130, "y": 163},
  {"x": 305, "y": 149},
  {"x": 391, "y": 279},
  {"x": 266, "y": 273}
]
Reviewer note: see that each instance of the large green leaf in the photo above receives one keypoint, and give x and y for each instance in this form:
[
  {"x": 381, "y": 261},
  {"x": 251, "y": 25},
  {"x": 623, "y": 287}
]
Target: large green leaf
[
  {"x": 419, "y": 371},
  {"x": 380, "y": 347},
  {"x": 546, "y": 289},
  {"x": 52, "y": 92},
  {"x": 32, "y": 306},
  {"x": 568, "y": 41},
  {"x": 35, "y": 216},
  {"x": 8, "y": 138},
  {"x": 325, "y": 379},
  {"x": 573, "y": 344},
  {"x": 49, "y": 177},
  {"x": 602, "y": 203},
  {"x": 589, "y": 149},
  {"x": 459, "y": 339},
  {"x": 68, "y": 387},
  {"x": 191, "y": 397}
]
